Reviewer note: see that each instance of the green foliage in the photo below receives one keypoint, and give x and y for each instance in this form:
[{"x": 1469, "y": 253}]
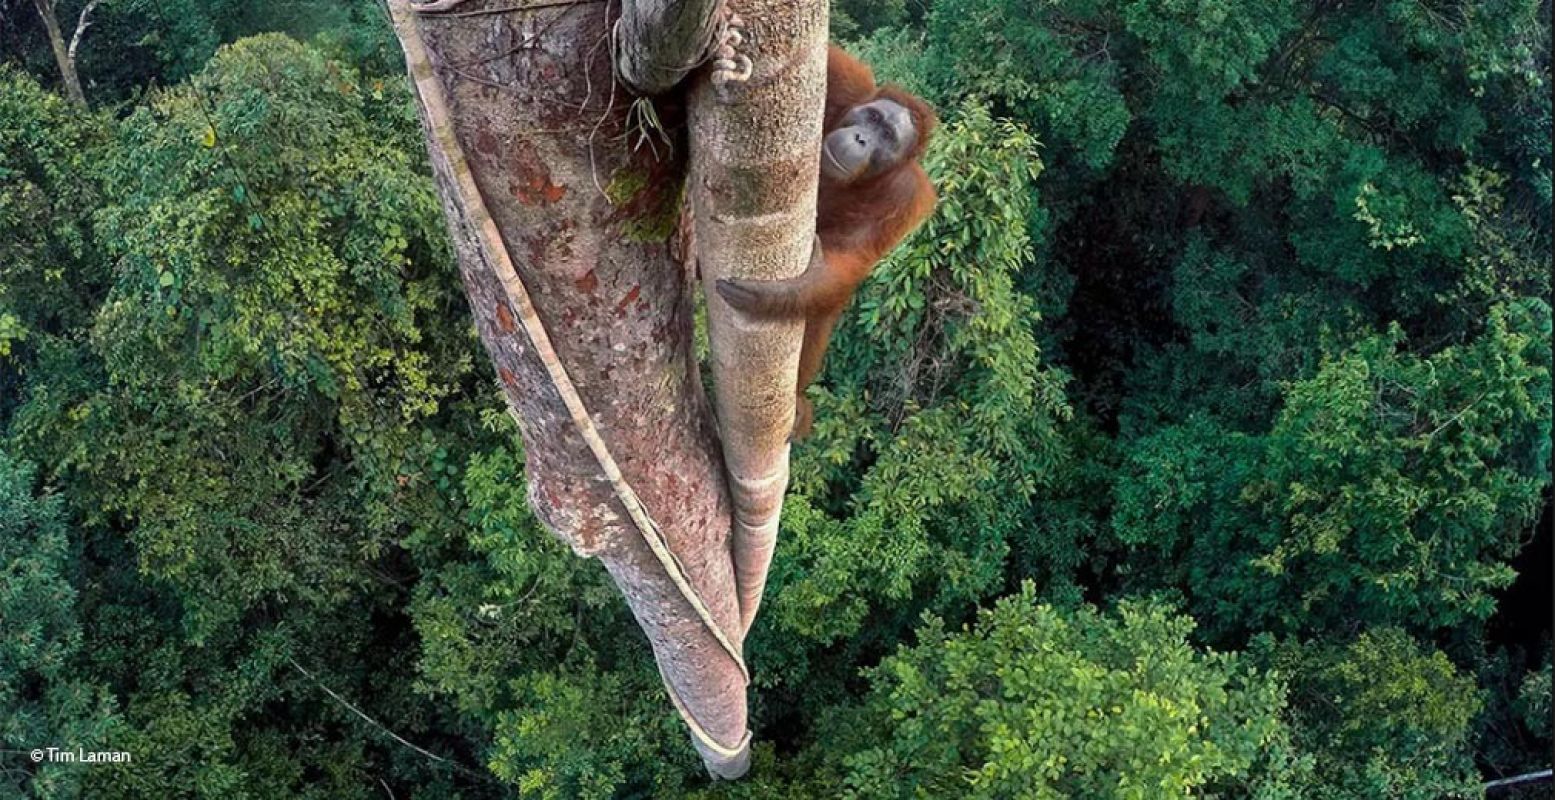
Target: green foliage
[
  {"x": 1512, "y": 732},
  {"x": 263, "y": 299},
  {"x": 45, "y": 698},
  {"x": 1261, "y": 340},
  {"x": 1383, "y": 717},
  {"x": 853, "y": 18},
  {"x": 1037, "y": 703},
  {"x": 1534, "y": 698},
  {"x": 231, "y": 378},
  {"x": 47, "y": 279},
  {"x": 133, "y": 43},
  {"x": 1011, "y": 54},
  {"x": 535, "y": 644},
  {"x": 1392, "y": 488},
  {"x": 591, "y": 733}
]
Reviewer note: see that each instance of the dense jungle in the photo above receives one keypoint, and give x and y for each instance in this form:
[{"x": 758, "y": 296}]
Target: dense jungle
[{"x": 1198, "y": 445}]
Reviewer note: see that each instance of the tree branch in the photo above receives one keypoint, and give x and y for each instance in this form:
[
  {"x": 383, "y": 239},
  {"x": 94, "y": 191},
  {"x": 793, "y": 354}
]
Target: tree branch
[
  {"x": 1542, "y": 775},
  {"x": 82, "y": 23},
  {"x": 62, "y": 58}
]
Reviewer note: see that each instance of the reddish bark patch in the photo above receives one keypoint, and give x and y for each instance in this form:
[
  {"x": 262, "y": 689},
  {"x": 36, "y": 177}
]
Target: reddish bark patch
[
  {"x": 506, "y": 375},
  {"x": 504, "y": 318},
  {"x": 627, "y": 301},
  {"x": 533, "y": 185},
  {"x": 588, "y": 283}
]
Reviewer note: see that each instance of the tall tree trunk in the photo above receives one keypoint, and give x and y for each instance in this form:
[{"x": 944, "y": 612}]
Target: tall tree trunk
[
  {"x": 62, "y": 56},
  {"x": 755, "y": 160},
  {"x": 586, "y": 220}
]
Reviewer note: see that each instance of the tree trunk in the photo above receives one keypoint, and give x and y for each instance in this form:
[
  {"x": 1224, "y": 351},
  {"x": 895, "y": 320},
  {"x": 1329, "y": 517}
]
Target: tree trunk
[
  {"x": 661, "y": 41},
  {"x": 534, "y": 107},
  {"x": 62, "y": 57},
  {"x": 755, "y": 160}
]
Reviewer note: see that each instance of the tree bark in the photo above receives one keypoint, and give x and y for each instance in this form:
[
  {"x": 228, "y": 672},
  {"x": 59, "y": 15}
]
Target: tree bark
[
  {"x": 661, "y": 41},
  {"x": 755, "y": 160},
  {"x": 63, "y": 57},
  {"x": 586, "y": 220}
]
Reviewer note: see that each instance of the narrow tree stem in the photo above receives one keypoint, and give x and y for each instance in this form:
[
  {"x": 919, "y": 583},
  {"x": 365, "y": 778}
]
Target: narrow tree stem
[
  {"x": 1542, "y": 775},
  {"x": 755, "y": 162},
  {"x": 63, "y": 54}
]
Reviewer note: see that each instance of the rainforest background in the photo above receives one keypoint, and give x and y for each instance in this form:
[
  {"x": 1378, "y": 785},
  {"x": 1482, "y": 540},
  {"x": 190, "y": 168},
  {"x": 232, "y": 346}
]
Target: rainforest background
[{"x": 1199, "y": 444}]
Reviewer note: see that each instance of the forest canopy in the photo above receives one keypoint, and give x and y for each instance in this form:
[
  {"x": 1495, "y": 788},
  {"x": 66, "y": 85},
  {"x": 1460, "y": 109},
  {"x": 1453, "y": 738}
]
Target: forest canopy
[{"x": 1198, "y": 445}]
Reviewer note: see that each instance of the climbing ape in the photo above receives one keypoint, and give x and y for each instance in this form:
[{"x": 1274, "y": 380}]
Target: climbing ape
[{"x": 873, "y": 192}]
